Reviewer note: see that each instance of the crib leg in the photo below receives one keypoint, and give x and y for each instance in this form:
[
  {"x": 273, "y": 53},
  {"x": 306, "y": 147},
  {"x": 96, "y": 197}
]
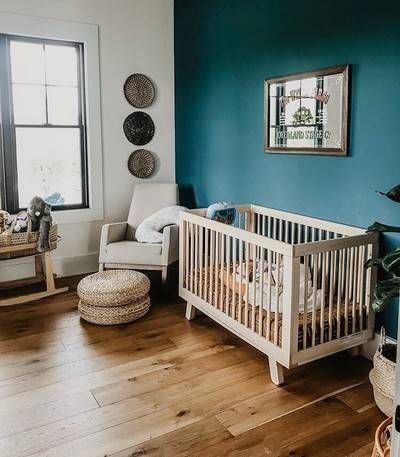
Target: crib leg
[
  {"x": 190, "y": 311},
  {"x": 355, "y": 351},
  {"x": 276, "y": 372}
]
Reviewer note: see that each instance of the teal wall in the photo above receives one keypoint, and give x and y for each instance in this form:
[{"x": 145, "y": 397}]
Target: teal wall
[{"x": 224, "y": 49}]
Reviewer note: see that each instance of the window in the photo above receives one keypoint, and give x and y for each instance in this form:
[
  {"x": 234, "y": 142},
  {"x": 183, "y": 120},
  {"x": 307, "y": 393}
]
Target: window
[{"x": 43, "y": 145}]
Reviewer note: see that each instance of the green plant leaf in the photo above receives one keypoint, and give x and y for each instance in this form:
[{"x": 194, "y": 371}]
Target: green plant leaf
[
  {"x": 378, "y": 227},
  {"x": 373, "y": 263},
  {"x": 393, "y": 193},
  {"x": 384, "y": 291},
  {"x": 391, "y": 262}
]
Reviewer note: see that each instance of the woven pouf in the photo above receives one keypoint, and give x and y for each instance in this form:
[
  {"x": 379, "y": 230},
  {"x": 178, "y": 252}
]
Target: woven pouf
[{"x": 114, "y": 297}]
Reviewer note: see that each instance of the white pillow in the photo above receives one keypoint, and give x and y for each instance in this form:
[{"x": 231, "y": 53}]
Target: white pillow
[{"x": 149, "y": 231}]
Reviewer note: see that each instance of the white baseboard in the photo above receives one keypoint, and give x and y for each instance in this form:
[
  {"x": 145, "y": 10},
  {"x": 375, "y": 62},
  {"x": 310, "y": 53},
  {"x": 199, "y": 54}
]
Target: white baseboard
[
  {"x": 368, "y": 349},
  {"x": 63, "y": 266}
]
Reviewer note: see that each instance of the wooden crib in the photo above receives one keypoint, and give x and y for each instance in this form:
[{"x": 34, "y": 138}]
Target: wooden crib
[{"x": 292, "y": 286}]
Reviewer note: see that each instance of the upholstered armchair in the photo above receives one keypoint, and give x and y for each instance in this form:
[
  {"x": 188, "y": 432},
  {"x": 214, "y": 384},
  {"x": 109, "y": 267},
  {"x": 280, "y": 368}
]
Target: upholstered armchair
[{"x": 118, "y": 246}]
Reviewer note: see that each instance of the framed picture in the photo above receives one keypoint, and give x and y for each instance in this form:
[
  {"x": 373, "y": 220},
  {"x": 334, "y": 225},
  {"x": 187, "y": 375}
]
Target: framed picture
[{"x": 307, "y": 113}]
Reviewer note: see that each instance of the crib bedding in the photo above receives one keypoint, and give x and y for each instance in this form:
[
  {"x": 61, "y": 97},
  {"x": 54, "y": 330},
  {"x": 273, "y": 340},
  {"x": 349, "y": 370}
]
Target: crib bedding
[{"x": 338, "y": 324}]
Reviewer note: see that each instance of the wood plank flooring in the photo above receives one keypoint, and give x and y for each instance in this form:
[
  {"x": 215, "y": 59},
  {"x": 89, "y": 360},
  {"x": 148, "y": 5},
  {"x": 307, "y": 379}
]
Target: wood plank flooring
[{"x": 166, "y": 387}]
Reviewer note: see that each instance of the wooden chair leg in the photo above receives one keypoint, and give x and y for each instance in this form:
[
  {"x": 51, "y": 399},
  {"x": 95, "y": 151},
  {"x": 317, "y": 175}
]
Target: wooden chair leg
[
  {"x": 190, "y": 311},
  {"x": 48, "y": 271},
  {"x": 164, "y": 274},
  {"x": 276, "y": 372}
]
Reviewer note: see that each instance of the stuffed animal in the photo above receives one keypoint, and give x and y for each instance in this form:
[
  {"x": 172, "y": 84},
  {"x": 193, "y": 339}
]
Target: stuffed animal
[
  {"x": 4, "y": 216},
  {"x": 40, "y": 215},
  {"x": 21, "y": 222}
]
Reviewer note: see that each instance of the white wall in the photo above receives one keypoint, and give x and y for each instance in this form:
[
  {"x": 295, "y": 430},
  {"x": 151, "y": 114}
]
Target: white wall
[{"x": 135, "y": 36}]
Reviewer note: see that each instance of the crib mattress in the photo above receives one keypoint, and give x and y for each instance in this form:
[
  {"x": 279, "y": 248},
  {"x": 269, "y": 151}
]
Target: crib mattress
[{"x": 326, "y": 329}]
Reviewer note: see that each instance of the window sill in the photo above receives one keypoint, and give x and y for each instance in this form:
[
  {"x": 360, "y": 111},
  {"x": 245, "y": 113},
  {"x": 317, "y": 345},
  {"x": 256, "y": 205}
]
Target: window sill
[{"x": 72, "y": 216}]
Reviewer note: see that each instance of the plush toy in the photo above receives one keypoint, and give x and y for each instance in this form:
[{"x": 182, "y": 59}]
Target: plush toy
[
  {"x": 21, "y": 222},
  {"x": 4, "y": 216},
  {"x": 40, "y": 215}
]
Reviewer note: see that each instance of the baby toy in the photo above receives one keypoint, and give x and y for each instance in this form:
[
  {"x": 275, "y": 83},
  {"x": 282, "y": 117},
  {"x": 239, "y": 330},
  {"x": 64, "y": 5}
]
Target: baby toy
[{"x": 40, "y": 215}]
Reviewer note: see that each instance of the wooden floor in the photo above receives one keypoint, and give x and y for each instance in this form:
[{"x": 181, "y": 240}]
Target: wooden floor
[{"x": 163, "y": 386}]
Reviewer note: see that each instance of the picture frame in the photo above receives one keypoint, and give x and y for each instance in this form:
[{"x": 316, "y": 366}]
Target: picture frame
[{"x": 308, "y": 113}]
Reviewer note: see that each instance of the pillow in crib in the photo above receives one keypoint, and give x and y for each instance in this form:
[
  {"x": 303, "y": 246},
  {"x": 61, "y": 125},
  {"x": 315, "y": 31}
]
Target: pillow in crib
[
  {"x": 221, "y": 212},
  {"x": 149, "y": 231}
]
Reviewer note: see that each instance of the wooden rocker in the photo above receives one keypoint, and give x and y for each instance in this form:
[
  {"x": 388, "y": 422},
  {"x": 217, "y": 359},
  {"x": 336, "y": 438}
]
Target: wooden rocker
[{"x": 43, "y": 272}]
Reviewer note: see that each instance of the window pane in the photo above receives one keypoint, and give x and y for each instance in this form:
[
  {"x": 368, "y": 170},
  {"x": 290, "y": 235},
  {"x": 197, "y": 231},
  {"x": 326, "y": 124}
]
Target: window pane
[
  {"x": 61, "y": 65},
  {"x": 49, "y": 165},
  {"x": 62, "y": 105},
  {"x": 29, "y": 104},
  {"x": 27, "y": 62}
]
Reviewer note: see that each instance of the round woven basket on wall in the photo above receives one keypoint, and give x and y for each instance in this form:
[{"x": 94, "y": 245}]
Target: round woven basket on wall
[{"x": 114, "y": 297}]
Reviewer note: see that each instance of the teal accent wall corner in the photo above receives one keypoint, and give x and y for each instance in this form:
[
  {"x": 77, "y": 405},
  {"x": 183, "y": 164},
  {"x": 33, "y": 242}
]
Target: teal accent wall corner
[{"x": 225, "y": 49}]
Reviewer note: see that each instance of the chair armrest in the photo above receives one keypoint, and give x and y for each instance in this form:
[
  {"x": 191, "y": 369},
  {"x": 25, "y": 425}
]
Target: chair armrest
[
  {"x": 170, "y": 244},
  {"x": 111, "y": 233}
]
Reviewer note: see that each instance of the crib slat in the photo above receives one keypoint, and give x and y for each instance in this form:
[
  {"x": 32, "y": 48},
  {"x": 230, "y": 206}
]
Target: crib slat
[
  {"x": 269, "y": 294},
  {"x": 206, "y": 260},
  {"x": 305, "y": 308},
  {"x": 201, "y": 262},
  {"x": 240, "y": 304},
  {"x": 255, "y": 302},
  {"x": 278, "y": 282},
  {"x": 196, "y": 257},
  {"x": 324, "y": 263},
  {"x": 246, "y": 303},
  {"x": 216, "y": 268},
  {"x": 221, "y": 269},
  {"x": 346, "y": 293},
  {"x": 186, "y": 255},
  {"x": 314, "y": 297},
  {"x": 331, "y": 290},
  {"x": 233, "y": 312},
  {"x": 354, "y": 294},
  {"x": 228, "y": 274},
  {"x": 340, "y": 290},
  {"x": 213, "y": 235},
  {"x": 261, "y": 299},
  {"x": 191, "y": 256}
]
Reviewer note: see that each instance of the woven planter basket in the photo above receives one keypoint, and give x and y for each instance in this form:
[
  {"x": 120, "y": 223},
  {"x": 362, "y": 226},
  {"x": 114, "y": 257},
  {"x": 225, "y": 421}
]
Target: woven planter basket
[
  {"x": 114, "y": 297},
  {"x": 383, "y": 378},
  {"x": 382, "y": 439},
  {"x": 8, "y": 238}
]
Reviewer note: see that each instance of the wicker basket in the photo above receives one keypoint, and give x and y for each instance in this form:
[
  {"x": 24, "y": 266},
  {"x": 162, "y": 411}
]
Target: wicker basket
[
  {"x": 9, "y": 238},
  {"x": 382, "y": 439},
  {"x": 383, "y": 378}
]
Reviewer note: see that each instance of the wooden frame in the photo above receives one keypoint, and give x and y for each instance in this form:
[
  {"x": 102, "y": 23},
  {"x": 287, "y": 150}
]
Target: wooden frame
[
  {"x": 312, "y": 258},
  {"x": 343, "y": 149},
  {"x": 43, "y": 272}
]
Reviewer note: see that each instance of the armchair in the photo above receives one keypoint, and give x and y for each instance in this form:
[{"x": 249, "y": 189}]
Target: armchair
[{"x": 118, "y": 246}]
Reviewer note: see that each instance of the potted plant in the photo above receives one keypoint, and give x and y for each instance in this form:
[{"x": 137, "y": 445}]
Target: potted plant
[{"x": 383, "y": 374}]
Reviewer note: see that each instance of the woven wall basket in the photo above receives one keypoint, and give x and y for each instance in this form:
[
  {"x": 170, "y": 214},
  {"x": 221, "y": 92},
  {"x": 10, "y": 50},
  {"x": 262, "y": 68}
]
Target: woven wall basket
[
  {"x": 141, "y": 163},
  {"x": 139, "y": 90},
  {"x": 139, "y": 128}
]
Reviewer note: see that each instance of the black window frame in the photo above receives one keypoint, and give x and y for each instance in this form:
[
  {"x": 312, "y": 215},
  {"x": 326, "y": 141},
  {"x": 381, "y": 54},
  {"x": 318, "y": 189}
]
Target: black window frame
[{"x": 9, "y": 199}]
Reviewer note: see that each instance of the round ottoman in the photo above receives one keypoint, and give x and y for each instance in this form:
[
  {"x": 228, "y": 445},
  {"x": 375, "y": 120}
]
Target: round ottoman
[{"x": 114, "y": 297}]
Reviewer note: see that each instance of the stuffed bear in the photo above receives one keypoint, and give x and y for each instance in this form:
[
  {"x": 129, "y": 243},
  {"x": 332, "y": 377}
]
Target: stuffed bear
[{"x": 40, "y": 216}]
